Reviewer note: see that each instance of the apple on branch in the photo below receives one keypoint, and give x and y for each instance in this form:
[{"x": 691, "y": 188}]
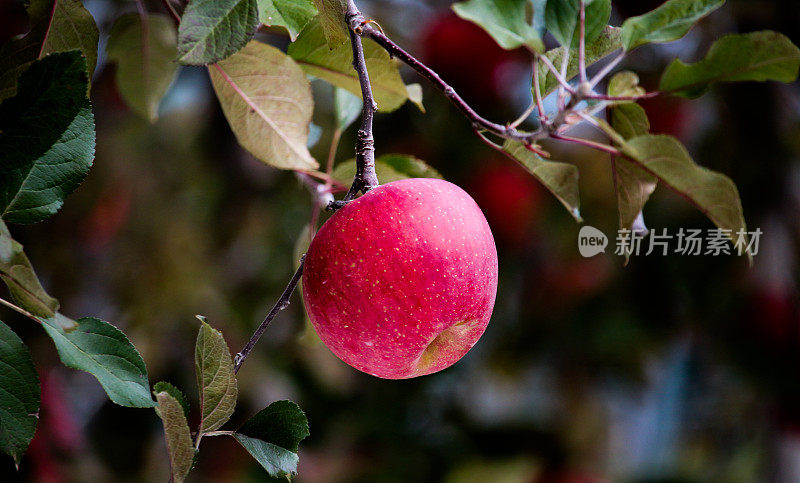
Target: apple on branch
[{"x": 401, "y": 282}]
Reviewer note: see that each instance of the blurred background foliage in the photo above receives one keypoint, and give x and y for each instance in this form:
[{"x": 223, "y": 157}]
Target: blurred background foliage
[{"x": 676, "y": 368}]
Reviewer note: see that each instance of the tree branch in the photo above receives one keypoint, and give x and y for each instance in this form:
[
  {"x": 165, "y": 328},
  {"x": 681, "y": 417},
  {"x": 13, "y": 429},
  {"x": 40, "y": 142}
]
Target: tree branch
[{"x": 281, "y": 304}]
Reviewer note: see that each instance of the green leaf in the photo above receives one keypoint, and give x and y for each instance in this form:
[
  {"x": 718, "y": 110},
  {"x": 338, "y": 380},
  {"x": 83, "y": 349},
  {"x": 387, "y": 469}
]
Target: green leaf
[
  {"x": 629, "y": 120},
  {"x": 267, "y": 100},
  {"x": 607, "y": 42},
  {"x": 273, "y": 435},
  {"x": 336, "y": 66},
  {"x": 664, "y": 157},
  {"x": 46, "y": 138},
  {"x": 212, "y": 30},
  {"x": 756, "y": 56},
  {"x": 176, "y": 393},
  {"x": 331, "y": 19},
  {"x": 414, "y": 92},
  {"x": 666, "y": 23},
  {"x": 145, "y": 66},
  {"x": 215, "y": 378},
  {"x": 17, "y": 54},
  {"x": 17, "y": 273},
  {"x": 282, "y": 423},
  {"x": 562, "y": 20},
  {"x": 279, "y": 462},
  {"x": 176, "y": 434},
  {"x": 347, "y": 107},
  {"x": 19, "y": 395},
  {"x": 633, "y": 184},
  {"x": 293, "y": 15},
  {"x": 504, "y": 20},
  {"x": 72, "y": 27},
  {"x": 389, "y": 167},
  {"x": 99, "y": 348},
  {"x": 561, "y": 179},
  {"x": 625, "y": 84}
]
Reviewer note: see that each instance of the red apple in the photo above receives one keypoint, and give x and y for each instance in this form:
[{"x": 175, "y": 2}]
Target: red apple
[{"x": 401, "y": 282}]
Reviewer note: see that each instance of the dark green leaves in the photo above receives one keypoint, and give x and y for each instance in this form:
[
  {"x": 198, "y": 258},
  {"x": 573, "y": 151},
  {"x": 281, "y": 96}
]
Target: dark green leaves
[
  {"x": 336, "y": 66},
  {"x": 17, "y": 273},
  {"x": 212, "y": 30},
  {"x": 46, "y": 138},
  {"x": 145, "y": 66},
  {"x": 668, "y": 22},
  {"x": 273, "y": 435},
  {"x": 561, "y": 179},
  {"x": 99, "y": 348},
  {"x": 176, "y": 434},
  {"x": 19, "y": 395},
  {"x": 607, "y": 42},
  {"x": 293, "y": 15},
  {"x": 215, "y": 379},
  {"x": 562, "y": 20},
  {"x": 504, "y": 20},
  {"x": 756, "y": 56}
]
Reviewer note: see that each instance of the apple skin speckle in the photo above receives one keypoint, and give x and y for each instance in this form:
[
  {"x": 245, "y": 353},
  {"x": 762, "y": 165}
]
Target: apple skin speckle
[{"x": 402, "y": 281}]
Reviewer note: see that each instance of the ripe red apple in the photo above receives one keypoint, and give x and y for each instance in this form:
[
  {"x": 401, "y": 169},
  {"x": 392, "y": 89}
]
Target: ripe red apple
[{"x": 401, "y": 282}]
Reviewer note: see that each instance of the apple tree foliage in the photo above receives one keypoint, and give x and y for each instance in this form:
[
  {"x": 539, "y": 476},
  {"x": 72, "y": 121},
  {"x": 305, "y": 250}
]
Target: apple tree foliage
[{"x": 47, "y": 143}]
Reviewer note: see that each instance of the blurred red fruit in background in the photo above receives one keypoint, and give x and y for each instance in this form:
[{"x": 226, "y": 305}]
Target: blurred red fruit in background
[
  {"x": 510, "y": 198},
  {"x": 467, "y": 58}
]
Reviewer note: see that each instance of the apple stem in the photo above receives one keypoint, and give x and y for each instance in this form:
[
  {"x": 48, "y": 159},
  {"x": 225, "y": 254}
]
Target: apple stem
[
  {"x": 582, "y": 44},
  {"x": 281, "y": 304}
]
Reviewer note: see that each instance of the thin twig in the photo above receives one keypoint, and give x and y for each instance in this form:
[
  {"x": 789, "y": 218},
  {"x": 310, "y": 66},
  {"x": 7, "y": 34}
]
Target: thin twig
[
  {"x": 19, "y": 309},
  {"x": 582, "y": 43},
  {"x": 564, "y": 85},
  {"x": 606, "y": 69},
  {"x": 604, "y": 97},
  {"x": 172, "y": 11},
  {"x": 398, "y": 52},
  {"x": 561, "y": 80},
  {"x": 538, "y": 91},
  {"x": 281, "y": 304},
  {"x": 589, "y": 144}
]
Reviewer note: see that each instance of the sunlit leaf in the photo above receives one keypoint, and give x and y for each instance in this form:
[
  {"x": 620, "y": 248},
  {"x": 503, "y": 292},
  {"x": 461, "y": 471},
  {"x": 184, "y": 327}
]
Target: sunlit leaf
[
  {"x": 562, "y": 20},
  {"x": 756, "y": 56},
  {"x": 19, "y": 397},
  {"x": 212, "y": 30},
  {"x": 145, "y": 66},
  {"x": 215, "y": 378},
  {"x": 389, "y": 167},
  {"x": 176, "y": 434},
  {"x": 504, "y": 20},
  {"x": 625, "y": 84},
  {"x": 561, "y": 179},
  {"x": 292, "y": 15},
  {"x": 633, "y": 184},
  {"x": 176, "y": 393},
  {"x": 607, "y": 42},
  {"x": 336, "y": 66},
  {"x": 668, "y": 22},
  {"x": 17, "y": 273},
  {"x": 267, "y": 100},
  {"x": 102, "y": 350},
  {"x": 47, "y": 138},
  {"x": 331, "y": 19},
  {"x": 72, "y": 27},
  {"x": 272, "y": 437}
]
